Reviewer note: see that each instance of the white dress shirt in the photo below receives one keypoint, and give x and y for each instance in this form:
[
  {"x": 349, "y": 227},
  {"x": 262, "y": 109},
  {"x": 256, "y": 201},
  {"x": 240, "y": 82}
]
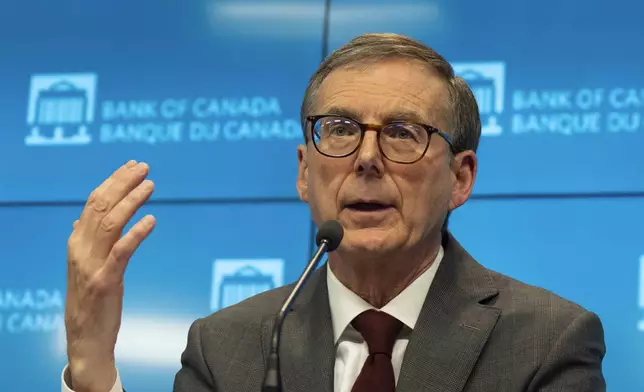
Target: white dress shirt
[
  {"x": 116, "y": 388},
  {"x": 351, "y": 349}
]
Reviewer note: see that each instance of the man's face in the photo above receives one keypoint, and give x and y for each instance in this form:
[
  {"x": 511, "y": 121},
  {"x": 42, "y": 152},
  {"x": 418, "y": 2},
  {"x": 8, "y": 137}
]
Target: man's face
[{"x": 408, "y": 202}]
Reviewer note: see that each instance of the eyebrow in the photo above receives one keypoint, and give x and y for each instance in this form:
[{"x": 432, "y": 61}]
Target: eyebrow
[
  {"x": 342, "y": 112},
  {"x": 404, "y": 116},
  {"x": 397, "y": 115}
]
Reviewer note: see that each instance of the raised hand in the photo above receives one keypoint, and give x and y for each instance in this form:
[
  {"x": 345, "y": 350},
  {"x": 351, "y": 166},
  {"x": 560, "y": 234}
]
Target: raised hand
[{"x": 97, "y": 255}]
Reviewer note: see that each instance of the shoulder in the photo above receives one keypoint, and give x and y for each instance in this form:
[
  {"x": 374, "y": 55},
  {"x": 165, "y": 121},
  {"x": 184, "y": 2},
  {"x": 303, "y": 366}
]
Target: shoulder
[
  {"x": 539, "y": 339},
  {"x": 230, "y": 342},
  {"x": 251, "y": 312},
  {"x": 541, "y": 319},
  {"x": 235, "y": 333},
  {"x": 524, "y": 300},
  {"x": 540, "y": 334}
]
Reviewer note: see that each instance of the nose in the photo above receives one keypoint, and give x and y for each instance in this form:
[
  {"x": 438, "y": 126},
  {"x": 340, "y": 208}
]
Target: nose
[{"x": 369, "y": 159}]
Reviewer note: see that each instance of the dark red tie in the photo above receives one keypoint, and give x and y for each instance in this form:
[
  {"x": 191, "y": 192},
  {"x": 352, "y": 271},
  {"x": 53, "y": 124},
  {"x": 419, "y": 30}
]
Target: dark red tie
[{"x": 379, "y": 330}]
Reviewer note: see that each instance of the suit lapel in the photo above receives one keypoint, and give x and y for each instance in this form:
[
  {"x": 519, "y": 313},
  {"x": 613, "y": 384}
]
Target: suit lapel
[
  {"x": 453, "y": 326},
  {"x": 307, "y": 352}
]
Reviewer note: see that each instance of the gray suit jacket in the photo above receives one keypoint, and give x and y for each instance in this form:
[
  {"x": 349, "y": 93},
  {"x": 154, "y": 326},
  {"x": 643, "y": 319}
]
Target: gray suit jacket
[{"x": 478, "y": 331}]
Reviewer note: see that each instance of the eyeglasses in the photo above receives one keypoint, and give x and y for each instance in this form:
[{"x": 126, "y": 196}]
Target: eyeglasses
[{"x": 398, "y": 141}]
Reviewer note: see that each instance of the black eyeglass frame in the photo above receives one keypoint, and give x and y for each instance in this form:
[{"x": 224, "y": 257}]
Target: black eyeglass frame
[{"x": 311, "y": 120}]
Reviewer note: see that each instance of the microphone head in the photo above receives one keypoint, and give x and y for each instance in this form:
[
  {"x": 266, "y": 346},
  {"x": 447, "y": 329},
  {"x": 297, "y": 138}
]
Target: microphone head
[{"x": 332, "y": 232}]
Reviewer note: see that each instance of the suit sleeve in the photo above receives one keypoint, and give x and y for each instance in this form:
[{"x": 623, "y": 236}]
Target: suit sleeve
[
  {"x": 194, "y": 375},
  {"x": 575, "y": 362}
]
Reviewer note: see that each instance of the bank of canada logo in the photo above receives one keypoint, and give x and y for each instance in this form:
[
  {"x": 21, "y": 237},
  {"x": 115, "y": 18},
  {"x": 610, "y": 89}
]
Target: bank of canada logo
[
  {"x": 487, "y": 81},
  {"x": 640, "y": 324},
  {"x": 60, "y": 108},
  {"x": 234, "y": 280}
]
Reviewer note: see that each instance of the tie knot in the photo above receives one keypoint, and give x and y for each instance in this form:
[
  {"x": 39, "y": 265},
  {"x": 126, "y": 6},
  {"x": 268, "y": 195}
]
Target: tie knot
[{"x": 378, "y": 329}]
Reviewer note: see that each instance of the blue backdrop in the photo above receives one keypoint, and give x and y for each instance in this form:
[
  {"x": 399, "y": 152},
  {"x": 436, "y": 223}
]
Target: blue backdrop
[{"x": 208, "y": 93}]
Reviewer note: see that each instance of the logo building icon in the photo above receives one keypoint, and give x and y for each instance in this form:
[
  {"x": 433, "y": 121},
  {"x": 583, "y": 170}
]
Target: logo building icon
[
  {"x": 235, "y": 280},
  {"x": 60, "y": 108},
  {"x": 487, "y": 81}
]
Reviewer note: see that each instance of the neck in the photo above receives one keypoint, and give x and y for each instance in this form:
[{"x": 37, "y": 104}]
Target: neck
[{"x": 379, "y": 278}]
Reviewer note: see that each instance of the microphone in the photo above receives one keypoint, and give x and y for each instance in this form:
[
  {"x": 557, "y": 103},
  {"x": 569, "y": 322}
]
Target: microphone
[{"x": 328, "y": 239}]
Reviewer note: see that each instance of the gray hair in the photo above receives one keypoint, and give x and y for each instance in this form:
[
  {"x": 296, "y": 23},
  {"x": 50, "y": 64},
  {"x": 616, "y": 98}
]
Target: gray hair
[{"x": 463, "y": 119}]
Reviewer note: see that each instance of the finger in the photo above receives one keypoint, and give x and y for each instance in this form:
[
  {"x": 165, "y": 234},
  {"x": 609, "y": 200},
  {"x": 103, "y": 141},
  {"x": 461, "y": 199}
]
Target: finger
[
  {"x": 125, "y": 247},
  {"x": 108, "y": 194},
  {"x": 111, "y": 226},
  {"x": 104, "y": 185}
]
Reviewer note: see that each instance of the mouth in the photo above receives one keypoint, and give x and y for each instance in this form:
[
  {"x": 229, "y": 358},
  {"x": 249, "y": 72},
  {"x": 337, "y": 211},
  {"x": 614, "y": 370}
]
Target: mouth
[{"x": 363, "y": 206}]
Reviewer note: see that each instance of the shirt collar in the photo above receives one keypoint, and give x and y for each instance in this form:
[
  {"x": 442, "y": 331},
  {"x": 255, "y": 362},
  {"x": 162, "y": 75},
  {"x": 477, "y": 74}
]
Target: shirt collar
[{"x": 346, "y": 305}]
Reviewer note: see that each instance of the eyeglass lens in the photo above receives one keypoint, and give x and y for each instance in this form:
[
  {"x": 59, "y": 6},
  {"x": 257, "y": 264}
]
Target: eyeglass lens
[{"x": 340, "y": 136}]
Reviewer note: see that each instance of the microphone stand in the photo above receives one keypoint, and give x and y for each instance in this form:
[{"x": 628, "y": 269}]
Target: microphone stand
[{"x": 272, "y": 379}]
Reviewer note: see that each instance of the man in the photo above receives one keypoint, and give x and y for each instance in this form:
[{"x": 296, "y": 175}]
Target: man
[{"x": 390, "y": 141}]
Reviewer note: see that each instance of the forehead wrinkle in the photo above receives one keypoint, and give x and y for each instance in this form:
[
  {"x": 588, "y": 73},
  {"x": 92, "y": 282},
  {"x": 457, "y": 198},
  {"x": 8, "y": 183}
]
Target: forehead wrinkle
[{"x": 397, "y": 100}]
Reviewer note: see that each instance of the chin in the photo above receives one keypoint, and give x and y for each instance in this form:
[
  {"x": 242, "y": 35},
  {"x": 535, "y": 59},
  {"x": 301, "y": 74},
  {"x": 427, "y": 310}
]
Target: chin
[{"x": 370, "y": 240}]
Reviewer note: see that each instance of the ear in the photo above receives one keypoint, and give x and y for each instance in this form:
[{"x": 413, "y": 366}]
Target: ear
[
  {"x": 302, "y": 173},
  {"x": 464, "y": 167}
]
